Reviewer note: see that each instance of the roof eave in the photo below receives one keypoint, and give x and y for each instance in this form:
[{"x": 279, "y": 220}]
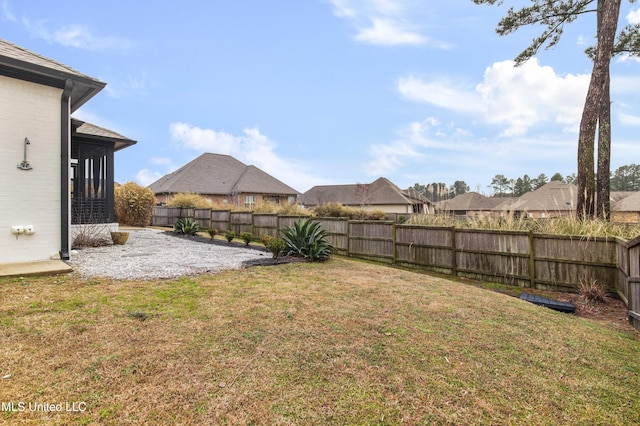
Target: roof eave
[{"x": 84, "y": 87}]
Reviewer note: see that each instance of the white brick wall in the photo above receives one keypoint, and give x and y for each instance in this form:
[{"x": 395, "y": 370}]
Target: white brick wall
[{"x": 29, "y": 197}]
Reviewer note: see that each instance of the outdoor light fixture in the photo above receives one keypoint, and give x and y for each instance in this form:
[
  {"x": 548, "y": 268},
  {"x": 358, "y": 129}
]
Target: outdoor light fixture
[{"x": 25, "y": 164}]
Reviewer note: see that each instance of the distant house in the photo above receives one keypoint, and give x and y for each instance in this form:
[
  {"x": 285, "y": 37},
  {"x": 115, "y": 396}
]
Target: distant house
[
  {"x": 43, "y": 151},
  {"x": 469, "y": 204},
  {"x": 553, "y": 199},
  {"x": 625, "y": 207},
  {"x": 380, "y": 194},
  {"x": 223, "y": 180}
]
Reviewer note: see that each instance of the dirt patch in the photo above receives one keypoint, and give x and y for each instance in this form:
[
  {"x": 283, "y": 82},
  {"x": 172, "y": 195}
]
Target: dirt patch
[{"x": 612, "y": 311}]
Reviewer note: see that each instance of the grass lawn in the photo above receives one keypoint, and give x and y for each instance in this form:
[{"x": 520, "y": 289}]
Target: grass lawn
[{"x": 341, "y": 342}]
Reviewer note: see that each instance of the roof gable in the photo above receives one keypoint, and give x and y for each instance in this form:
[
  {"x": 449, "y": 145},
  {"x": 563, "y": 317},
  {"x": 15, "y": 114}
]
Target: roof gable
[
  {"x": 219, "y": 174},
  {"x": 631, "y": 203},
  {"x": 553, "y": 196},
  {"x": 379, "y": 192},
  {"x": 470, "y": 201}
]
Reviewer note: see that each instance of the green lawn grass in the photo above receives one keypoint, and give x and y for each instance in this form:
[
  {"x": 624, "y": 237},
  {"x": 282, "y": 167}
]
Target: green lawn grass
[{"x": 340, "y": 342}]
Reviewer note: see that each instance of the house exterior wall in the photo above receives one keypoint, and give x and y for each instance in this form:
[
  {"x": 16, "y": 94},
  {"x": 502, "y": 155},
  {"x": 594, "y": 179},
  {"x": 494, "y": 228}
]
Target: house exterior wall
[
  {"x": 29, "y": 197},
  {"x": 625, "y": 217}
]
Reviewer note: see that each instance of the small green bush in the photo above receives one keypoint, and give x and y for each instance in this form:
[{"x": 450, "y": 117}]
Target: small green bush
[
  {"x": 306, "y": 239},
  {"x": 229, "y": 235},
  {"x": 212, "y": 232},
  {"x": 247, "y": 237},
  {"x": 133, "y": 204},
  {"x": 186, "y": 226},
  {"x": 265, "y": 239},
  {"x": 275, "y": 246}
]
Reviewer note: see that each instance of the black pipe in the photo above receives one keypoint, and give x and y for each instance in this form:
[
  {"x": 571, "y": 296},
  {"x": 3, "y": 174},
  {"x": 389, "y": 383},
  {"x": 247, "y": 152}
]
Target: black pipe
[{"x": 64, "y": 169}]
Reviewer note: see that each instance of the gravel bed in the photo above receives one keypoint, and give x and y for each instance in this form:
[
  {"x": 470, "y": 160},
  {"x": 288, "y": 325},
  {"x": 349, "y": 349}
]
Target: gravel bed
[{"x": 151, "y": 253}]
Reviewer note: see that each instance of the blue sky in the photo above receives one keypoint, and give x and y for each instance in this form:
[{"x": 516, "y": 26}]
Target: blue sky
[{"x": 330, "y": 91}]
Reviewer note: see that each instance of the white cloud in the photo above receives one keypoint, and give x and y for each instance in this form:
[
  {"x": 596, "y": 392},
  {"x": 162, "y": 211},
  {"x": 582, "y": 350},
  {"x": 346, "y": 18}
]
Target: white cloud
[
  {"x": 382, "y": 22},
  {"x": 81, "y": 37},
  {"x": 160, "y": 161},
  {"x": 128, "y": 86},
  {"x": 516, "y": 98},
  {"x": 445, "y": 152},
  {"x": 7, "y": 14},
  {"x": 387, "y": 32},
  {"x": 630, "y": 120},
  {"x": 78, "y": 36},
  {"x": 634, "y": 17},
  {"x": 252, "y": 147},
  {"x": 444, "y": 93},
  {"x": 146, "y": 177}
]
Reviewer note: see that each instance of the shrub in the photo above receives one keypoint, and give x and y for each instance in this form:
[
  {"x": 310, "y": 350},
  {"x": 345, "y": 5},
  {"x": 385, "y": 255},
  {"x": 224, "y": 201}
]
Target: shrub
[
  {"x": 212, "y": 232},
  {"x": 188, "y": 200},
  {"x": 275, "y": 246},
  {"x": 186, "y": 226},
  {"x": 265, "y": 239},
  {"x": 91, "y": 235},
  {"x": 247, "y": 237},
  {"x": 229, "y": 235},
  {"x": 133, "y": 204},
  {"x": 306, "y": 239},
  {"x": 338, "y": 210},
  {"x": 593, "y": 291},
  {"x": 331, "y": 210}
]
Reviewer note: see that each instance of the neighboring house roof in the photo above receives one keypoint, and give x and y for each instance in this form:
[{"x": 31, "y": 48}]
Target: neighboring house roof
[
  {"x": 630, "y": 203},
  {"x": 220, "y": 174},
  {"x": 379, "y": 192},
  {"x": 91, "y": 131},
  {"x": 551, "y": 197},
  {"x": 20, "y": 63},
  {"x": 471, "y": 201}
]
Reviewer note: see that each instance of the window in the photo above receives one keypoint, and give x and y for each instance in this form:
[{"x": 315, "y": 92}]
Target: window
[{"x": 249, "y": 201}]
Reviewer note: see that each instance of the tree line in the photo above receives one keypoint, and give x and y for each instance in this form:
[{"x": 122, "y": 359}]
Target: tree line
[{"x": 624, "y": 178}]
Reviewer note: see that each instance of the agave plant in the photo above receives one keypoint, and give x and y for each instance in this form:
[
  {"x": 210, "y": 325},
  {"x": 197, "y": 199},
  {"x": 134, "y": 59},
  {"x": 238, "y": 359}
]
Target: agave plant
[
  {"x": 306, "y": 239},
  {"x": 186, "y": 226}
]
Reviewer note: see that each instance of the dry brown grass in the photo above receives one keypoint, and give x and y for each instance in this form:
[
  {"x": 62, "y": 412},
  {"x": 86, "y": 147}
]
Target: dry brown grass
[{"x": 340, "y": 342}]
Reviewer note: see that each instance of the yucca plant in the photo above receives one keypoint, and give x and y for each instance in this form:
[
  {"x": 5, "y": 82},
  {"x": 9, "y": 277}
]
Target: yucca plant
[
  {"x": 306, "y": 239},
  {"x": 186, "y": 226}
]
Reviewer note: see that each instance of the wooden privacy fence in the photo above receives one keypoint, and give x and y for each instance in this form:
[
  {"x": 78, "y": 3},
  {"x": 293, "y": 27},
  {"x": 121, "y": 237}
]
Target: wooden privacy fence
[{"x": 519, "y": 258}]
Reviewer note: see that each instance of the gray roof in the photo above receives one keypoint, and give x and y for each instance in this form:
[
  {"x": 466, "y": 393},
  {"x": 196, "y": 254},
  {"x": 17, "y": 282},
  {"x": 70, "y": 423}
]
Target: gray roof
[
  {"x": 379, "y": 192},
  {"x": 82, "y": 128},
  {"x": 222, "y": 175},
  {"x": 551, "y": 197},
  {"x": 471, "y": 201},
  {"x": 20, "y": 63},
  {"x": 630, "y": 203}
]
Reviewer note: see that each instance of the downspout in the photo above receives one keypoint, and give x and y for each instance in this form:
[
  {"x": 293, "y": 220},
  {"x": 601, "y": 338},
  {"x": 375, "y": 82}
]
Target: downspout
[{"x": 65, "y": 137}]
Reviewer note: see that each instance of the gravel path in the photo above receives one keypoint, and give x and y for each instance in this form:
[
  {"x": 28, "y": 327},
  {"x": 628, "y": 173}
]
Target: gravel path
[{"x": 151, "y": 253}]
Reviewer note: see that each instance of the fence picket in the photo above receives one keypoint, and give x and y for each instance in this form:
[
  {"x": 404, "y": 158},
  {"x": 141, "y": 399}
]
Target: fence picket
[{"x": 508, "y": 257}]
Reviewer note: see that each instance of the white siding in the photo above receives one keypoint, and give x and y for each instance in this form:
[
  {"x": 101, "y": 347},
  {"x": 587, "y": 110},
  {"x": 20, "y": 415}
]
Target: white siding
[{"x": 29, "y": 197}]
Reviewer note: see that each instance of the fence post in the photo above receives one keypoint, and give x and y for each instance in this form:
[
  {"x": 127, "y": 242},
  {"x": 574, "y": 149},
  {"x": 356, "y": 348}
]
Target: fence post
[
  {"x": 532, "y": 261},
  {"x": 348, "y": 238},
  {"x": 395, "y": 247},
  {"x": 454, "y": 261}
]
